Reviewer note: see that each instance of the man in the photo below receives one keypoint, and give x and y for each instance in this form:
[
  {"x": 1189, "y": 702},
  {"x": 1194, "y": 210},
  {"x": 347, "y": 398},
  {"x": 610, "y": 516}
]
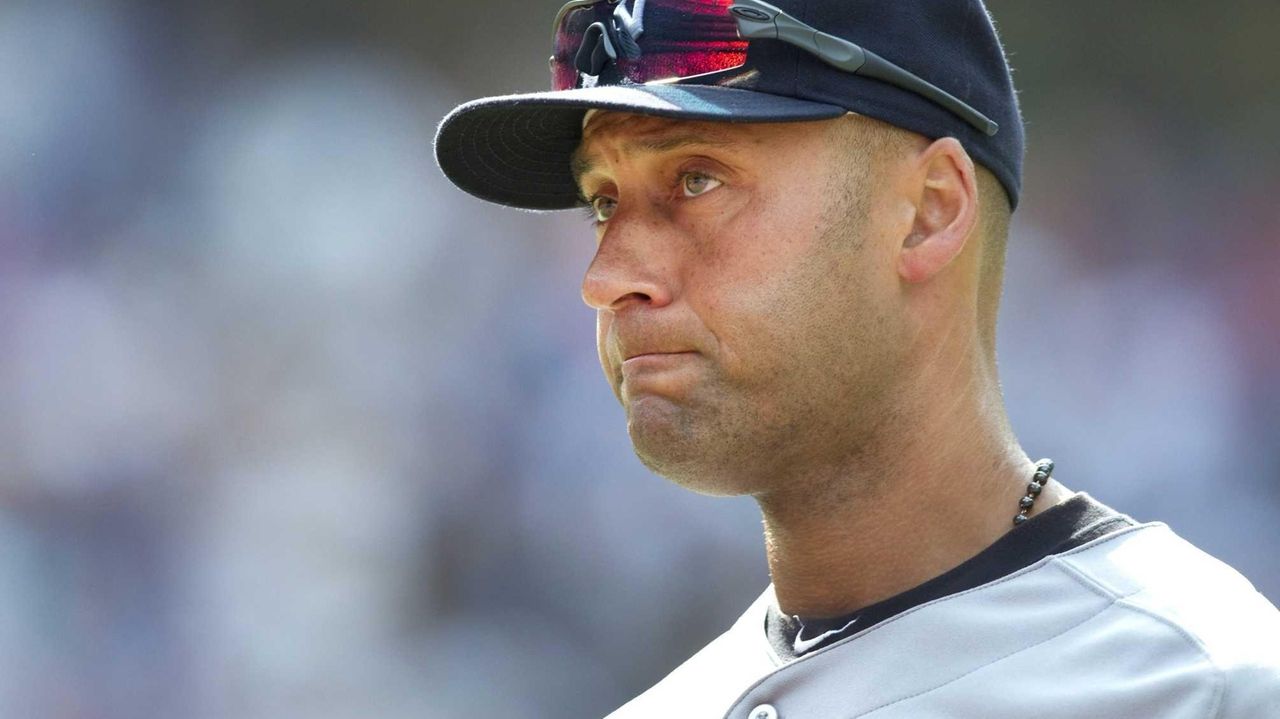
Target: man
[{"x": 801, "y": 214}]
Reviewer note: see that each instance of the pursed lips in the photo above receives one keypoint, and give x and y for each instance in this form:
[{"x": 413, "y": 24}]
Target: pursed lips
[
  {"x": 654, "y": 360},
  {"x": 658, "y": 362},
  {"x": 640, "y": 355},
  {"x": 666, "y": 372},
  {"x": 648, "y": 349},
  {"x": 628, "y": 352}
]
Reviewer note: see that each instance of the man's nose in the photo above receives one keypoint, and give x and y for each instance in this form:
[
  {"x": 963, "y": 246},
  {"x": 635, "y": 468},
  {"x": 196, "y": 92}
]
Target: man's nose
[{"x": 633, "y": 265}]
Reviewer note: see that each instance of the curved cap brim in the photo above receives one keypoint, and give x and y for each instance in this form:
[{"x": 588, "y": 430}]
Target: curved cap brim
[{"x": 515, "y": 149}]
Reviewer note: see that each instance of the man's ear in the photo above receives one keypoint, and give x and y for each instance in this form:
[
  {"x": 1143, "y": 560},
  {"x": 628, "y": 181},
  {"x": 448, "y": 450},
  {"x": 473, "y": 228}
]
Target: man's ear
[{"x": 945, "y": 195}]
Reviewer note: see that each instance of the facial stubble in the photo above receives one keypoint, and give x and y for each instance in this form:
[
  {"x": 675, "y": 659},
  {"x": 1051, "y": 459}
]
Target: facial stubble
[{"x": 813, "y": 396}]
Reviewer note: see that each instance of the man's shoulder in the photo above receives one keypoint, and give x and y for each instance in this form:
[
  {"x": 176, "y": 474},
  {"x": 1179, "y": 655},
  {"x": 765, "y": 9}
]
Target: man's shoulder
[
  {"x": 1169, "y": 581},
  {"x": 1168, "y": 595}
]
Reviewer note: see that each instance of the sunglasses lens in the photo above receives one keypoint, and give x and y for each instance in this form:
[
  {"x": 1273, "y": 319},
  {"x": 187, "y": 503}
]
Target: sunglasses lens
[{"x": 681, "y": 38}]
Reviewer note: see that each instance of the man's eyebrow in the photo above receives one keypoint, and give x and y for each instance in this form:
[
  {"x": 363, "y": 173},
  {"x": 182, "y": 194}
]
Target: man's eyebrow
[{"x": 581, "y": 164}]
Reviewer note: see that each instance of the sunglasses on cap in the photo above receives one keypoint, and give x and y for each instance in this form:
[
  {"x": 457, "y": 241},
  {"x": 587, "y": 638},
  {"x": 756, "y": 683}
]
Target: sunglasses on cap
[{"x": 601, "y": 42}]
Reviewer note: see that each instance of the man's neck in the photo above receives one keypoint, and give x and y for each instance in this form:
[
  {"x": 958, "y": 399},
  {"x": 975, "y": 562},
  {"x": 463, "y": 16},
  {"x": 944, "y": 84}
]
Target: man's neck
[{"x": 844, "y": 538}]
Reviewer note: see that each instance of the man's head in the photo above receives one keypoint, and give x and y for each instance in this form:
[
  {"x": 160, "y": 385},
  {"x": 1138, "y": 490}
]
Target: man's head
[
  {"x": 802, "y": 212},
  {"x": 767, "y": 292}
]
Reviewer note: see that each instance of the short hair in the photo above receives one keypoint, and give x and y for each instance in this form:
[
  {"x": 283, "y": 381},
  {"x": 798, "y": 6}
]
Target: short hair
[
  {"x": 867, "y": 142},
  {"x": 994, "y": 219}
]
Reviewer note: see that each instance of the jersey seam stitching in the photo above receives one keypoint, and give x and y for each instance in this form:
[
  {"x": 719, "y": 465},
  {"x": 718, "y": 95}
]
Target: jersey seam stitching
[
  {"x": 997, "y": 660},
  {"x": 1218, "y": 673},
  {"x": 1045, "y": 563},
  {"x": 1117, "y": 602},
  {"x": 1125, "y": 601},
  {"x": 1091, "y": 583}
]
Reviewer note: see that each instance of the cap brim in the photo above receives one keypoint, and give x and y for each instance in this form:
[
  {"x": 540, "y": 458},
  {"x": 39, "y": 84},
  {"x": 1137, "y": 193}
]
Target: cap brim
[{"x": 515, "y": 150}]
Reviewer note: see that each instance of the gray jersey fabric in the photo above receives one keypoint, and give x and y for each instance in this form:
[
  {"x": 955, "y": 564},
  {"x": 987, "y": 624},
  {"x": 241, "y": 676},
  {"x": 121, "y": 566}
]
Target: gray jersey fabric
[{"x": 1138, "y": 623}]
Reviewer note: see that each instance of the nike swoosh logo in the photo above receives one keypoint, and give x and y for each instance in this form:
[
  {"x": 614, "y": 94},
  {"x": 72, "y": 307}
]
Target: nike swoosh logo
[{"x": 803, "y": 645}]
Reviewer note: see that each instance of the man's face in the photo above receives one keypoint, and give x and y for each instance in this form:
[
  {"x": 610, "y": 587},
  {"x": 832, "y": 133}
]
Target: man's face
[{"x": 746, "y": 295}]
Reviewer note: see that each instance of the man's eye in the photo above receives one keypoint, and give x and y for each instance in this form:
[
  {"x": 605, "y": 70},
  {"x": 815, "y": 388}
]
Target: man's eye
[
  {"x": 602, "y": 208},
  {"x": 695, "y": 184}
]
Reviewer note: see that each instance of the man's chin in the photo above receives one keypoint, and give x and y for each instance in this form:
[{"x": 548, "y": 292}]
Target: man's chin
[
  {"x": 667, "y": 440},
  {"x": 661, "y": 431}
]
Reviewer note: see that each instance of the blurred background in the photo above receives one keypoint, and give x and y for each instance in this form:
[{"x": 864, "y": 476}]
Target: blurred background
[{"x": 291, "y": 428}]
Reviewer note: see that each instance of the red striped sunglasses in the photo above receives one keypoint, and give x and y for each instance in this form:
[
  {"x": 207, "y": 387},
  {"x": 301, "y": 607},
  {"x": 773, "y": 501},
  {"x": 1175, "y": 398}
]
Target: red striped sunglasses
[{"x": 609, "y": 42}]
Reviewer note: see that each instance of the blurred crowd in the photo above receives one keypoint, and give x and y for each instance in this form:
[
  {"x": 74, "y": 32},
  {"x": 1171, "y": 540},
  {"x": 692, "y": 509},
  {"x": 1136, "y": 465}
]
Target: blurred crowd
[{"x": 291, "y": 428}]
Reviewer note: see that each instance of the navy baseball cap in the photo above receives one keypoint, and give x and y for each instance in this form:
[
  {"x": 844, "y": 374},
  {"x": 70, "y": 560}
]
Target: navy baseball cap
[{"x": 934, "y": 67}]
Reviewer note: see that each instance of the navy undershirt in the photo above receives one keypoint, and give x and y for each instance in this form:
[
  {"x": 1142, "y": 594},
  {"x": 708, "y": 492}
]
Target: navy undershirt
[{"x": 1066, "y": 526}]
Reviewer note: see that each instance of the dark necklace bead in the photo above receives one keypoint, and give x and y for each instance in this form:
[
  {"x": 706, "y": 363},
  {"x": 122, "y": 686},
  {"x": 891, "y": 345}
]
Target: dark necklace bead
[{"x": 1044, "y": 468}]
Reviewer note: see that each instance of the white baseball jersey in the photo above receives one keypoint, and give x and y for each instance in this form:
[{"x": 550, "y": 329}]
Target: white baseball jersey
[{"x": 1137, "y": 624}]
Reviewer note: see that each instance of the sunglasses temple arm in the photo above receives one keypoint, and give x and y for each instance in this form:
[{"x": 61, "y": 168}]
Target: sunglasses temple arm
[
  {"x": 758, "y": 19},
  {"x": 881, "y": 69}
]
